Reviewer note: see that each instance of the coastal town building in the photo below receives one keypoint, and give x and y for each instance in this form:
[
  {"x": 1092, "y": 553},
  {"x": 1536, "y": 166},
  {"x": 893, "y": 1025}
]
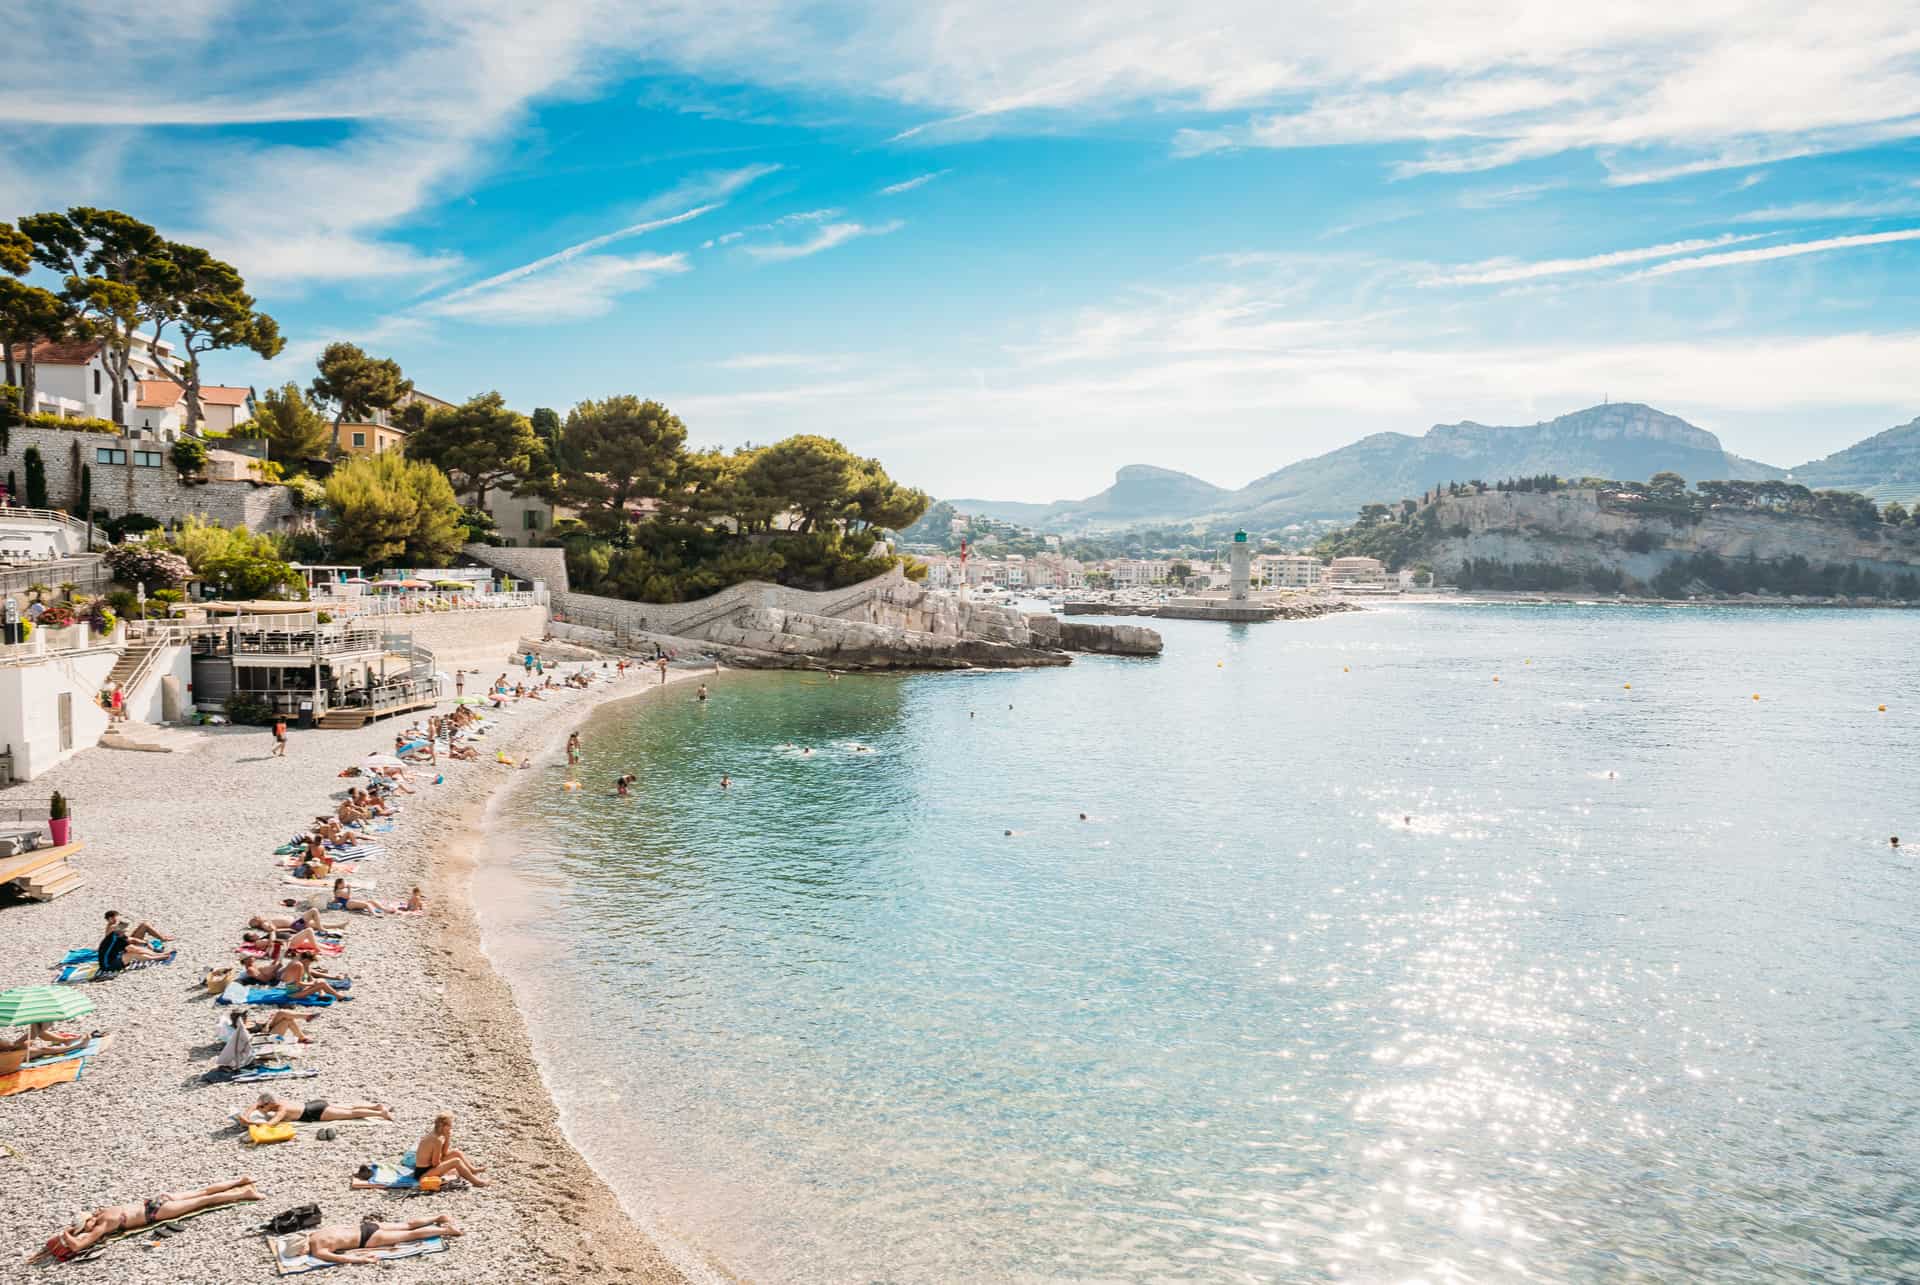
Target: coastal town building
[
  {"x": 1289, "y": 570},
  {"x": 1356, "y": 573},
  {"x": 383, "y": 431}
]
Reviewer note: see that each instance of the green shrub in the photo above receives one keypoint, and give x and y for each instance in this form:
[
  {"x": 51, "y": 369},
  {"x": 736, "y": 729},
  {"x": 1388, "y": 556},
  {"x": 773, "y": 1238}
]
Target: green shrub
[
  {"x": 44, "y": 419},
  {"x": 245, "y": 707},
  {"x": 189, "y": 455}
]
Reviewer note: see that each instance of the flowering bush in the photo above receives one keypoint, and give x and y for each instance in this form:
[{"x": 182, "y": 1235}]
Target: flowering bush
[
  {"x": 133, "y": 563},
  {"x": 101, "y": 616},
  {"x": 58, "y": 616}
]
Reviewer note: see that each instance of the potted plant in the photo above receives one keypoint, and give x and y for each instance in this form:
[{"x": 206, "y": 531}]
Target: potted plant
[{"x": 57, "y": 818}]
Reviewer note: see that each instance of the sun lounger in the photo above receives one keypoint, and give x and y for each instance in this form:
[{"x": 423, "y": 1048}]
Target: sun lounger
[{"x": 290, "y": 1258}]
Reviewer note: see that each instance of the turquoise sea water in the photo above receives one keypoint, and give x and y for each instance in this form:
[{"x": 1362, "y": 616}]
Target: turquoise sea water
[{"x": 1364, "y": 967}]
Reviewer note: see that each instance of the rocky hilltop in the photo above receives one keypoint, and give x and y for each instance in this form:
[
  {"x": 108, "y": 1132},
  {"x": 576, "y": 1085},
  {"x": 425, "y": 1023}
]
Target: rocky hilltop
[
  {"x": 1591, "y": 539},
  {"x": 1885, "y": 466}
]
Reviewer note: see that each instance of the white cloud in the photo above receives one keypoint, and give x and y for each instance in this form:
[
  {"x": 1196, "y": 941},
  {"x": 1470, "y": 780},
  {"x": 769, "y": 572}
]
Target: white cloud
[
  {"x": 575, "y": 289},
  {"x": 786, "y": 361},
  {"x": 1500, "y": 271},
  {"x": 829, "y": 236},
  {"x": 1734, "y": 258},
  {"x": 895, "y": 189},
  {"x": 1824, "y": 211},
  {"x": 573, "y": 252}
]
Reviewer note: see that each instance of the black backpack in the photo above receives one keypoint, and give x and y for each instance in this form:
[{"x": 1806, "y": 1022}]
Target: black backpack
[{"x": 299, "y": 1218}]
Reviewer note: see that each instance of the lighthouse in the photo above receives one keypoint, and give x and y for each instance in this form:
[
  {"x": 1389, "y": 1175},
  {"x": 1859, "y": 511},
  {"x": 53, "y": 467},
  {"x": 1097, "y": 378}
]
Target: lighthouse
[{"x": 1241, "y": 560}]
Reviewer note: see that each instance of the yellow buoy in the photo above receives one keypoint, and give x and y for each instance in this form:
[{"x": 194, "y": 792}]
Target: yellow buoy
[
  {"x": 1883, "y": 709},
  {"x": 1756, "y": 695},
  {"x": 1345, "y": 669},
  {"x": 1219, "y": 664},
  {"x": 1627, "y": 686}
]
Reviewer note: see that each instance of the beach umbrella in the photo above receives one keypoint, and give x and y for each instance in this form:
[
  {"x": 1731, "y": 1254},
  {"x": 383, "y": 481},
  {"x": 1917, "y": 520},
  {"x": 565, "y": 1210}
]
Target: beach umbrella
[
  {"x": 382, "y": 760},
  {"x": 25, "y": 1005},
  {"x": 416, "y": 584}
]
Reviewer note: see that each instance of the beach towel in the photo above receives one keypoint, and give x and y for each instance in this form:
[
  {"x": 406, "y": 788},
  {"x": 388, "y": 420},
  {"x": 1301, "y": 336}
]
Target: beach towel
[
  {"x": 40, "y": 1077},
  {"x": 257, "y": 1075},
  {"x": 393, "y": 1178},
  {"x": 104, "y": 1241},
  {"x": 91, "y": 1048},
  {"x": 88, "y": 971},
  {"x": 83, "y": 954},
  {"x": 271, "y": 996},
  {"x": 291, "y": 1258}
]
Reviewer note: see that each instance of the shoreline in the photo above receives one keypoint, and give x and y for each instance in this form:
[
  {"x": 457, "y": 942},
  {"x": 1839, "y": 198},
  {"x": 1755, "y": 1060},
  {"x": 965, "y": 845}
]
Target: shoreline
[
  {"x": 184, "y": 839},
  {"x": 606, "y": 1225}
]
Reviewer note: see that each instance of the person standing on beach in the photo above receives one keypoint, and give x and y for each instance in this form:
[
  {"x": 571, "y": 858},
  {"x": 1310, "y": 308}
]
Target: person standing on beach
[
  {"x": 459, "y": 683},
  {"x": 662, "y": 662},
  {"x": 573, "y": 749},
  {"x": 280, "y": 738}
]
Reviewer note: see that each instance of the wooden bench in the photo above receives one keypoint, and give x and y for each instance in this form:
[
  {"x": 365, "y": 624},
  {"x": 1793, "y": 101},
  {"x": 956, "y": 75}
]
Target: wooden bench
[{"x": 43, "y": 874}]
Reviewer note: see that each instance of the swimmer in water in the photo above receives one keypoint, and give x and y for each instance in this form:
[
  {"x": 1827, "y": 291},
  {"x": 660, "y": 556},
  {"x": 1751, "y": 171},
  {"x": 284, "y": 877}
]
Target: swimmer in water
[
  {"x": 726, "y": 782},
  {"x": 702, "y": 693},
  {"x": 620, "y": 785},
  {"x": 1406, "y": 820},
  {"x": 1083, "y": 816},
  {"x": 806, "y": 753},
  {"x": 1894, "y": 842}
]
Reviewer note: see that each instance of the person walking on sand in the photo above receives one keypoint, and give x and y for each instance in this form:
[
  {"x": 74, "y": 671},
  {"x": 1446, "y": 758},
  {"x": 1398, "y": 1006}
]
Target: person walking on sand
[
  {"x": 662, "y": 663},
  {"x": 118, "y": 704},
  {"x": 279, "y": 738}
]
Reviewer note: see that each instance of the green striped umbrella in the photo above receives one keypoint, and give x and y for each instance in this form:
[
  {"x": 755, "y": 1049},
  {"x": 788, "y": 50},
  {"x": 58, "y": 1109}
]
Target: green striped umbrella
[{"x": 24, "y": 1005}]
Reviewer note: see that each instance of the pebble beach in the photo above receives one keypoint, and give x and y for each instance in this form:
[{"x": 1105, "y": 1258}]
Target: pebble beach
[{"x": 184, "y": 840}]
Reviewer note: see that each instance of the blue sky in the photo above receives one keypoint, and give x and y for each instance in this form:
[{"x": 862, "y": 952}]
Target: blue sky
[{"x": 1010, "y": 247}]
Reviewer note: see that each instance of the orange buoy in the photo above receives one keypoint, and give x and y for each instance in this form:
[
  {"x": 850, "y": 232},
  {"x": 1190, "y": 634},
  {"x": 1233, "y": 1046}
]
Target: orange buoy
[
  {"x": 1627, "y": 686},
  {"x": 1883, "y": 709},
  {"x": 1756, "y": 695}
]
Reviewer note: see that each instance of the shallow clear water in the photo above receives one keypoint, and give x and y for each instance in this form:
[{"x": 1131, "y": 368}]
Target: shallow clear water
[{"x": 1365, "y": 967}]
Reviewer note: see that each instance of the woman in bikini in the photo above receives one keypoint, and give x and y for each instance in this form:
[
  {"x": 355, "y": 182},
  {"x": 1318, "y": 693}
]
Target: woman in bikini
[
  {"x": 434, "y": 1155},
  {"x": 111, "y": 1220},
  {"x": 343, "y": 1243},
  {"x": 272, "y": 1110},
  {"x": 345, "y": 900}
]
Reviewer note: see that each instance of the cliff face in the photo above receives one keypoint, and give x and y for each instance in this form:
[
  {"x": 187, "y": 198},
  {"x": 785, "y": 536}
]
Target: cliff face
[{"x": 1570, "y": 529}]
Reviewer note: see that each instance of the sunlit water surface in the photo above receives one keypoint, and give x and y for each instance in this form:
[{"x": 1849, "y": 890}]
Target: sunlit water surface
[{"x": 1364, "y": 966}]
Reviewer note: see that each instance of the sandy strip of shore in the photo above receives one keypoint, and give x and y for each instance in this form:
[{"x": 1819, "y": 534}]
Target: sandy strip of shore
[{"x": 184, "y": 839}]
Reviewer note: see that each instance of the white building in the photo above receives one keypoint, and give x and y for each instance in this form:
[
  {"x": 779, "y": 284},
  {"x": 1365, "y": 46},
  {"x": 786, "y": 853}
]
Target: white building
[
  {"x": 71, "y": 380},
  {"x": 1290, "y": 570},
  {"x": 1357, "y": 573}
]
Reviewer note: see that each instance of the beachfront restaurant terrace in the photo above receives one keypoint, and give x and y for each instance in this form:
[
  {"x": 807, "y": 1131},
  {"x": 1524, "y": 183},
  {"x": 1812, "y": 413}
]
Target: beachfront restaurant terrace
[{"x": 339, "y": 672}]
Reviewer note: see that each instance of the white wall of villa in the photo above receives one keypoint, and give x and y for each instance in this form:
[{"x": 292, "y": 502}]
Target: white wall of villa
[{"x": 48, "y": 711}]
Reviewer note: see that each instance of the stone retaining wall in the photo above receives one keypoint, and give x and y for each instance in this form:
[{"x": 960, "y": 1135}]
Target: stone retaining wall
[{"x": 131, "y": 488}]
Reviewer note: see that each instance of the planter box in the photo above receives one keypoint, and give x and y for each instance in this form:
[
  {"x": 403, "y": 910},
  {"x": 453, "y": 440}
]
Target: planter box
[{"x": 71, "y": 638}]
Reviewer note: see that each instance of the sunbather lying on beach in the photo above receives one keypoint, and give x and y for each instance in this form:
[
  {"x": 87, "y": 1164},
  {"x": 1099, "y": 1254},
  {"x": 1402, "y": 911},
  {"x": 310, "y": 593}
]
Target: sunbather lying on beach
[
  {"x": 345, "y": 1243},
  {"x": 343, "y": 899},
  {"x": 276, "y": 1024},
  {"x": 294, "y": 976},
  {"x": 465, "y": 753},
  {"x": 112, "y": 1219},
  {"x": 41, "y": 1040},
  {"x": 272, "y": 1110},
  {"x": 434, "y": 1156}
]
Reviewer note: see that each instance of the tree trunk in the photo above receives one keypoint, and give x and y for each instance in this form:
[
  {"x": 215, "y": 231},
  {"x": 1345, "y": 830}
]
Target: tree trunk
[
  {"x": 6, "y": 345},
  {"x": 334, "y": 452},
  {"x": 29, "y": 380}
]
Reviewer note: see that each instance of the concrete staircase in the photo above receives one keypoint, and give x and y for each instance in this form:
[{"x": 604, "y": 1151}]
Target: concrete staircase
[{"x": 131, "y": 660}]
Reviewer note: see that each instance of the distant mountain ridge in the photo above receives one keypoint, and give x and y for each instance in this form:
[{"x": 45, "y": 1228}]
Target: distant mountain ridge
[
  {"x": 1624, "y": 440},
  {"x": 1885, "y": 466}
]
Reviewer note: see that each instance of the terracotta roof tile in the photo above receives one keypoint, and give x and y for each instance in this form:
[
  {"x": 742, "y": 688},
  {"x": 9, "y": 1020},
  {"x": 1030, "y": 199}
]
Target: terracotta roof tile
[
  {"x": 76, "y": 353},
  {"x": 156, "y": 393},
  {"x": 221, "y": 395}
]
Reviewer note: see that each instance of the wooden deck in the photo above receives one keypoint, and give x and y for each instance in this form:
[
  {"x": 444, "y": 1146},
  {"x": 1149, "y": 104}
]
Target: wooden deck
[
  {"x": 360, "y": 716},
  {"x": 43, "y": 874}
]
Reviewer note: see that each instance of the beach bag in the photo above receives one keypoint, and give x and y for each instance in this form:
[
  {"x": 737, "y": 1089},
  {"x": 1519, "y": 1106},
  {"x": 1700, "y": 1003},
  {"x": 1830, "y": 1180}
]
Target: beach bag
[
  {"x": 288, "y": 1221},
  {"x": 217, "y": 979},
  {"x": 430, "y": 1184},
  {"x": 261, "y": 1134}
]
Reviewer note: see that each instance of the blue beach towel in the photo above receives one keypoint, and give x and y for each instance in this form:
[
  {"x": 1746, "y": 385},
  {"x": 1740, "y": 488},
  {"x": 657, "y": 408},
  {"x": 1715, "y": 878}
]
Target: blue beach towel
[{"x": 272, "y": 996}]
